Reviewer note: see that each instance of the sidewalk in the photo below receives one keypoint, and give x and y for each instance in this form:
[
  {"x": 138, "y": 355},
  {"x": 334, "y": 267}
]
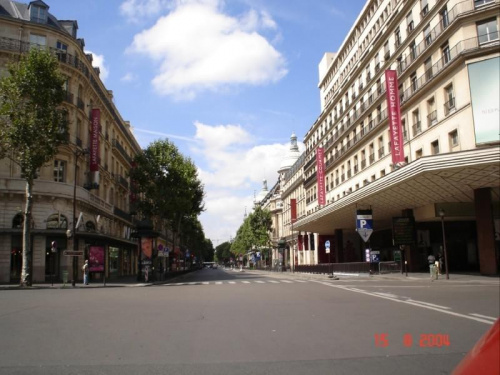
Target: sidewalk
[{"x": 122, "y": 282}]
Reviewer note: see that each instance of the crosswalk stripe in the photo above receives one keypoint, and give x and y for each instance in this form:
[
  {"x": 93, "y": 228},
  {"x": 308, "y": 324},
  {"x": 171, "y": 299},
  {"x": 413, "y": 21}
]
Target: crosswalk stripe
[
  {"x": 301, "y": 281},
  {"x": 286, "y": 281},
  {"x": 246, "y": 282},
  {"x": 260, "y": 282},
  {"x": 273, "y": 281},
  {"x": 205, "y": 283},
  {"x": 231, "y": 282},
  {"x": 218, "y": 282}
]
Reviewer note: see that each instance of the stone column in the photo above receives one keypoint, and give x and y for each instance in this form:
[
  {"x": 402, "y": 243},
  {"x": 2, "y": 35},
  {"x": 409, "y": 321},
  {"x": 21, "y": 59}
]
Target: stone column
[{"x": 488, "y": 260}]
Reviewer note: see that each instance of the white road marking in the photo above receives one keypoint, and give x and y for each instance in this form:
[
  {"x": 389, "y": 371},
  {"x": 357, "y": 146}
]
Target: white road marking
[
  {"x": 408, "y": 303},
  {"x": 260, "y": 282},
  {"x": 231, "y": 282},
  {"x": 301, "y": 281},
  {"x": 273, "y": 281},
  {"x": 205, "y": 283},
  {"x": 484, "y": 316},
  {"x": 287, "y": 281},
  {"x": 429, "y": 304},
  {"x": 246, "y": 282},
  {"x": 218, "y": 282},
  {"x": 194, "y": 283}
]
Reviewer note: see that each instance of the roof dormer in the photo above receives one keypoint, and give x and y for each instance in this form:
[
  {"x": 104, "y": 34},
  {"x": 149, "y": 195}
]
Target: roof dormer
[{"x": 39, "y": 11}]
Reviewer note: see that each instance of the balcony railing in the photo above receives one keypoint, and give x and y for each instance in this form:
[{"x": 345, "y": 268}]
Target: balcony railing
[
  {"x": 449, "y": 106},
  {"x": 80, "y": 104},
  {"x": 122, "y": 151},
  {"x": 381, "y": 152},
  {"x": 122, "y": 214},
  {"x": 363, "y": 164},
  {"x": 417, "y": 128},
  {"x": 371, "y": 158},
  {"x": 432, "y": 118}
]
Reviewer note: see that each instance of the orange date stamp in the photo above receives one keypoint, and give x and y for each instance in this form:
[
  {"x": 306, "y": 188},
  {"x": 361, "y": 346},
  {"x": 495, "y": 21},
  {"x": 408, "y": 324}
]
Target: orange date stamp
[{"x": 424, "y": 340}]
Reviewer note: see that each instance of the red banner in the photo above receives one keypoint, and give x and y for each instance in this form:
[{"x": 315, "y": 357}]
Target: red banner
[
  {"x": 293, "y": 209},
  {"x": 320, "y": 175},
  {"x": 94, "y": 140},
  {"x": 394, "y": 115}
]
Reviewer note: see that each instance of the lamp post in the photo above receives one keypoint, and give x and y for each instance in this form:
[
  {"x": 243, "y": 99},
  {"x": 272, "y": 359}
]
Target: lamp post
[
  {"x": 442, "y": 213},
  {"x": 78, "y": 152}
]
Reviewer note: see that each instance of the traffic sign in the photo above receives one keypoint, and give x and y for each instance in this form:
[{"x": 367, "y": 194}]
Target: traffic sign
[
  {"x": 327, "y": 247},
  {"x": 364, "y": 224},
  {"x": 73, "y": 253},
  {"x": 365, "y": 233}
]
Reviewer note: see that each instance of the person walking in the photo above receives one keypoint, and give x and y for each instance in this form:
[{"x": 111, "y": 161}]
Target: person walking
[
  {"x": 432, "y": 264},
  {"x": 86, "y": 271}
]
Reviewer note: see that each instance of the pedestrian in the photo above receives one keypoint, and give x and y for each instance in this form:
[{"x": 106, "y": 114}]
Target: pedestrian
[
  {"x": 432, "y": 264},
  {"x": 86, "y": 271},
  {"x": 440, "y": 258}
]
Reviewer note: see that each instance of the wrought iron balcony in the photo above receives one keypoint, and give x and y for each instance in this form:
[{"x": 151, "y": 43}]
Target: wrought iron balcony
[
  {"x": 449, "y": 106},
  {"x": 432, "y": 118}
]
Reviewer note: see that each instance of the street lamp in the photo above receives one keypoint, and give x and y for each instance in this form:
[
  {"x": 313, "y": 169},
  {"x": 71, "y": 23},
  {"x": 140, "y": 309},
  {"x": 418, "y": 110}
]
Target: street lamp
[
  {"x": 442, "y": 213},
  {"x": 78, "y": 152}
]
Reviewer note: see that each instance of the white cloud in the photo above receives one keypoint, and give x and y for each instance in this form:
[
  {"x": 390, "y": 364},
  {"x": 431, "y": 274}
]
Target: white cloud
[
  {"x": 200, "y": 48},
  {"x": 128, "y": 77},
  {"x": 234, "y": 167},
  {"x": 99, "y": 62},
  {"x": 136, "y": 10}
]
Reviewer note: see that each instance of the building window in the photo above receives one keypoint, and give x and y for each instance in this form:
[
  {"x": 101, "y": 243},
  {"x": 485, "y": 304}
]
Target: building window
[
  {"x": 17, "y": 222},
  {"x": 425, "y": 7},
  {"x": 427, "y": 35},
  {"x": 449, "y": 104},
  {"x": 453, "y": 137},
  {"x": 413, "y": 80},
  {"x": 409, "y": 22},
  {"x": 38, "y": 14},
  {"x": 413, "y": 50},
  {"x": 418, "y": 154},
  {"x": 432, "y": 113},
  {"x": 428, "y": 68},
  {"x": 435, "y": 147},
  {"x": 38, "y": 40},
  {"x": 397, "y": 36},
  {"x": 387, "y": 52},
  {"x": 417, "y": 128},
  {"x": 59, "y": 170},
  {"x": 487, "y": 31},
  {"x": 57, "y": 221},
  {"x": 445, "y": 20},
  {"x": 61, "y": 46},
  {"x": 479, "y": 3},
  {"x": 445, "y": 50}
]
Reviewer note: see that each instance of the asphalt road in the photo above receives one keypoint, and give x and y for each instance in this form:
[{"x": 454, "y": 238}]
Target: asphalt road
[{"x": 226, "y": 322}]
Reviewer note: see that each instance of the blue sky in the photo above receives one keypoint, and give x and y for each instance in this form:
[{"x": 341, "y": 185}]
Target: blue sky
[{"x": 226, "y": 81}]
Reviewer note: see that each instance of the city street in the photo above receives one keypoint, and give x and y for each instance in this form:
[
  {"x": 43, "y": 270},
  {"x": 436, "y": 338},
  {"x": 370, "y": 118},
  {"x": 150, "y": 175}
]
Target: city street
[{"x": 220, "y": 321}]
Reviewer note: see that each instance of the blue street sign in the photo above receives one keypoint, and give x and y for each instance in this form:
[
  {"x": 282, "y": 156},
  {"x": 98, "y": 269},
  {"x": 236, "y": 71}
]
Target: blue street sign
[
  {"x": 327, "y": 244},
  {"x": 364, "y": 223}
]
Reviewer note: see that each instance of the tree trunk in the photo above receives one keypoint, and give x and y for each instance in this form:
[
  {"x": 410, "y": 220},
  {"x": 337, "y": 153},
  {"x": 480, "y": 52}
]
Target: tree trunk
[{"x": 26, "y": 276}]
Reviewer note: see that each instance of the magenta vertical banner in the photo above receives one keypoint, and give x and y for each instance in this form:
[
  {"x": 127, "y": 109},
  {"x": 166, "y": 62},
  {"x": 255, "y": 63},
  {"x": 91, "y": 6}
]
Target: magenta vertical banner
[
  {"x": 394, "y": 116},
  {"x": 94, "y": 140},
  {"x": 320, "y": 175},
  {"x": 96, "y": 259}
]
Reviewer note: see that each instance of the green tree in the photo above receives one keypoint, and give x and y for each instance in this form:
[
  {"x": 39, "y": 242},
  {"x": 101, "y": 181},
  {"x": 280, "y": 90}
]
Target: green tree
[
  {"x": 32, "y": 126},
  {"x": 254, "y": 233},
  {"x": 223, "y": 252},
  {"x": 167, "y": 186}
]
